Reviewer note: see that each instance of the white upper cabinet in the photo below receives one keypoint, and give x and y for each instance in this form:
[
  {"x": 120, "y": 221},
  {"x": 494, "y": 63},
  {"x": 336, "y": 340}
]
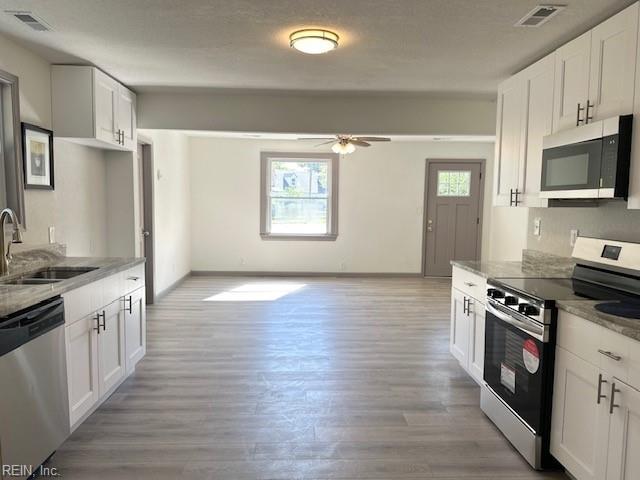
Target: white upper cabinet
[
  {"x": 595, "y": 73},
  {"x": 93, "y": 109},
  {"x": 572, "y": 82},
  {"x": 525, "y": 116},
  {"x": 613, "y": 65},
  {"x": 538, "y": 82},
  {"x": 508, "y": 137}
]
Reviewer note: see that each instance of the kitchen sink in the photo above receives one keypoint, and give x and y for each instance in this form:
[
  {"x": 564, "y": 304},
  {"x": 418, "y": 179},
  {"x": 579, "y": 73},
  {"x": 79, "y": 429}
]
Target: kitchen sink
[
  {"x": 59, "y": 273},
  {"x": 48, "y": 275}
]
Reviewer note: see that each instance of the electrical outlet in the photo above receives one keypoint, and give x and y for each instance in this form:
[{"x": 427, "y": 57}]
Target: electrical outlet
[
  {"x": 536, "y": 226},
  {"x": 343, "y": 266},
  {"x": 52, "y": 234},
  {"x": 573, "y": 237}
]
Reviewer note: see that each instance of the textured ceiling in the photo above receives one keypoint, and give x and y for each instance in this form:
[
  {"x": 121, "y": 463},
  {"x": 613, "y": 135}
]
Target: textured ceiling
[{"x": 453, "y": 46}]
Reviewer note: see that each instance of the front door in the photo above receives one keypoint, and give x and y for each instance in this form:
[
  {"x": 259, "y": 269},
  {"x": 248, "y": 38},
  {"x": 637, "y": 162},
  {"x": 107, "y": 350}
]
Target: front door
[{"x": 452, "y": 229}]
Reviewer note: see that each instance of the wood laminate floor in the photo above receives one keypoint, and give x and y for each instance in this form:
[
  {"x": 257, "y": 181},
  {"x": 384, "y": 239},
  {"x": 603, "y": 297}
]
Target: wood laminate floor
[{"x": 340, "y": 379}]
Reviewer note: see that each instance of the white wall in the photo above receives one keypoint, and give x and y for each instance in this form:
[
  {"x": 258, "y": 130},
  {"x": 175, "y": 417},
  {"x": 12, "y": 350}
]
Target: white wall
[
  {"x": 381, "y": 199},
  {"x": 172, "y": 207},
  {"x": 77, "y": 207}
]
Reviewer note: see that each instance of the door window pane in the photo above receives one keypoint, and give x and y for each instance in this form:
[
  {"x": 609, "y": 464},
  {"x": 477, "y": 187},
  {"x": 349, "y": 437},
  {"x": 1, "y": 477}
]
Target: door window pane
[{"x": 455, "y": 183}]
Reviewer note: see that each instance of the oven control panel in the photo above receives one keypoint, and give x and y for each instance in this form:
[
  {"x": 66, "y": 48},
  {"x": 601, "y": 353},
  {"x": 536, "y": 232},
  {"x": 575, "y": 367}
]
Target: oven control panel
[{"x": 516, "y": 302}]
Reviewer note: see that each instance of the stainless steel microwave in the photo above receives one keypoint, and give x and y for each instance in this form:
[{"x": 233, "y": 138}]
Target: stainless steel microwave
[{"x": 590, "y": 162}]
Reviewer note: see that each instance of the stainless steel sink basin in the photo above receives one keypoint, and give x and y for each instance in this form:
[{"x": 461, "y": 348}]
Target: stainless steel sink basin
[
  {"x": 59, "y": 273},
  {"x": 49, "y": 275}
]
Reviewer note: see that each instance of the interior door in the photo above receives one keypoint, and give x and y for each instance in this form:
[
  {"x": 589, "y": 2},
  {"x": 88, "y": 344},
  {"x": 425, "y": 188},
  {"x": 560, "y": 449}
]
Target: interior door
[
  {"x": 142, "y": 232},
  {"x": 572, "y": 82},
  {"x": 624, "y": 434},
  {"x": 613, "y": 64},
  {"x": 453, "y": 215}
]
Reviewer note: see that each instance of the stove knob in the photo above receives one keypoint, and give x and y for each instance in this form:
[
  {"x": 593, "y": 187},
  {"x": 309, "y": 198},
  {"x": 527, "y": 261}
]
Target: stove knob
[
  {"x": 527, "y": 309},
  {"x": 509, "y": 300},
  {"x": 495, "y": 293}
]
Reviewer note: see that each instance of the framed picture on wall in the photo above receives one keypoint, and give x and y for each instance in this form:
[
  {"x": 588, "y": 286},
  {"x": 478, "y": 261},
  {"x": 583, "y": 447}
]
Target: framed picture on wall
[{"x": 37, "y": 153}]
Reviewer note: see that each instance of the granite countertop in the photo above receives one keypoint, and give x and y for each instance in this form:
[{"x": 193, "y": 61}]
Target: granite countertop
[
  {"x": 513, "y": 269},
  {"x": 17, "y": 297},
  {"x": 628, "y": 327}
]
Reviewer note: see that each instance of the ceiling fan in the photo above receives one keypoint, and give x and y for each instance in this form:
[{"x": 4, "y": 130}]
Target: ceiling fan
[{"x": 346, "y": 144}]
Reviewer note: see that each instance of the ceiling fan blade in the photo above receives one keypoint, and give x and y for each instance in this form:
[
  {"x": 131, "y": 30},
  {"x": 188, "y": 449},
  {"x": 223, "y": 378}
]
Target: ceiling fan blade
[
  {"x": 374, "y": 139},
  {"x": 325, "y": 143},
  {"x": 360, "y": 143},
  {"x": 316, "y": 138}
]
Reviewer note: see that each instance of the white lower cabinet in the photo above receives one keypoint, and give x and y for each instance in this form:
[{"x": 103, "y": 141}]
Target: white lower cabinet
[
  {"x": 595, "y": 426},
  {"x": 103, "y": 347},
  {"x": 135, "y": 324},
  {"x": 82, "y": 367},
  {"x": 466, "y": 342},
  {"x": 111, "y": 349}
]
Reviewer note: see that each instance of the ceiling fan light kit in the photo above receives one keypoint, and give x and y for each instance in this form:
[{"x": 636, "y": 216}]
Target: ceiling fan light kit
[
  {"x": 314, "y": 41},
  {"x": 343, "y": 148},
  {"x": 345, "y": 144}
]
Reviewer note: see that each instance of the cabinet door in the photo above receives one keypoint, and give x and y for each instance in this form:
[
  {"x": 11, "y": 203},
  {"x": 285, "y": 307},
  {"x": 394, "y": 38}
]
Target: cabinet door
[
  {"x": 459, "y": 341},
  {"x": 572, "y": 81},
  {"x": 509, "y": 131},
  {"x": 105, "y": 107},
  {"x": 579, "y": 424},
  {"x": 613, "y": 64},
  {"x": 82, "y": 367},
  {"x": 135, "y": 324},
  {"x": 624, "y": 434},
  {"x": 111, "y": 347},
  {"x": 539, "y": 80},
  {"x": 127, "y": 116},
  {"x": 476, "y": 340}
]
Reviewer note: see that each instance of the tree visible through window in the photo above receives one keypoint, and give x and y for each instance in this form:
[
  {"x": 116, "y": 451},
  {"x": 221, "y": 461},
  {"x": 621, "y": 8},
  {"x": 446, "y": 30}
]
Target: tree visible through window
[
  {"x": 299, "y": 199},
  {"x": 455, "y": 183}
]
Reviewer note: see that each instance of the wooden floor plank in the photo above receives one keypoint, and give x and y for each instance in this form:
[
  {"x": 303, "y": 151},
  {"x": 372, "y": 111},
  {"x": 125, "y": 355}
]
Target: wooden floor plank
[{"x": 344, "y": 378}]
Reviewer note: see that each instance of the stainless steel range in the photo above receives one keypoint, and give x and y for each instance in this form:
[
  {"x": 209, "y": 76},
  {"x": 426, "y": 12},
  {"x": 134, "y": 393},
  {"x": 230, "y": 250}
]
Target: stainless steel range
[{"x": 520, "y": 337}]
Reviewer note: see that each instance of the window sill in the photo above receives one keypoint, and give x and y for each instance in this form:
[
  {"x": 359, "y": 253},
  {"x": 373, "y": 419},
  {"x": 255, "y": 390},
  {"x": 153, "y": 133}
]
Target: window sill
[{"x": 274, "y": 236}]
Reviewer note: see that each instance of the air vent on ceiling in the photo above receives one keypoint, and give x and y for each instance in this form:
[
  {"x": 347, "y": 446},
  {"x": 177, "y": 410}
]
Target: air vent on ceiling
[
  {"x": 539, "y": 15},
  {"x": 30, "y": 20}
]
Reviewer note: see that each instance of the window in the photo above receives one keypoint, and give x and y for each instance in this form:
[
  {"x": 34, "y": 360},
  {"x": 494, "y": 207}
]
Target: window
[
  {"x": 454, "y": 183},
  {"x": 299, "y": 196}
]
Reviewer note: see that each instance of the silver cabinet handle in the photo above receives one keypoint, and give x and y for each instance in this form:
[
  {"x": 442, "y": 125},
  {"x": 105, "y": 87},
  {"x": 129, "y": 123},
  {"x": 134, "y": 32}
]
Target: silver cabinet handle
[
  {"x": 130, "y": 307},
  {"x": 97, "y": 327},
  {"x": 470, "y": 284},
  {"x": 133, "y": 279},
  {"x": 469, "y": 303},
  {"x": 588, "y": 117},
  {"x": 465, "y": 306},
  {"x": 613, "y": 405},
  {"x": 104, "y": 320},
  {"x": 610, "y": 355},
  {"x": 578, "y": 119},
  {"x": 600, "y": 382}
]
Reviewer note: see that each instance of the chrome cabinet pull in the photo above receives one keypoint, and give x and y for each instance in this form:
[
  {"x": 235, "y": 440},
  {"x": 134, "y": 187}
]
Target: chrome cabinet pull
[
  {"x": 464, "y": 305},
  {"x": 104, "y": 320},
  {"x": 610, "y": 355},
  {"x": 600, "y": 382},
  {"x": 613, "y": 405},
  {"x": 130, "y": 300},
  {"x": 469, "y": 302},
  {"x": 97, "y": 327},
  {"x": 133, "y": 279},
  {"x": 588, "y": 117},
  {"x": 578, "y": 119},
  {"x": 470, "y": 284}
]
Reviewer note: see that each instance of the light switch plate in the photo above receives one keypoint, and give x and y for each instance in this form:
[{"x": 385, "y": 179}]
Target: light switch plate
[
  {"x": 536, "y": 226},
  {"x": 573, "y": 237},
  {"x": 52, "y": 234}
]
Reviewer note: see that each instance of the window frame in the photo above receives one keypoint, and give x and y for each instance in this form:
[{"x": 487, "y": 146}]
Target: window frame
[{"x": 266, "y": 159}]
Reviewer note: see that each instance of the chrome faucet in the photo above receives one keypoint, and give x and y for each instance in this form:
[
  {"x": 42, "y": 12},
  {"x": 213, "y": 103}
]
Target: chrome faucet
[{"x": 16, "y": 238}]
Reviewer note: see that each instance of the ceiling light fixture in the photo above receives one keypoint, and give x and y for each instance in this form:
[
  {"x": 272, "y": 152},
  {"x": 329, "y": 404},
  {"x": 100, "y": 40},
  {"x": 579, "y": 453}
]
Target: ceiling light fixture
[
  {"x": 343, "y": 148},
  {"x": 314, "y": 41}
]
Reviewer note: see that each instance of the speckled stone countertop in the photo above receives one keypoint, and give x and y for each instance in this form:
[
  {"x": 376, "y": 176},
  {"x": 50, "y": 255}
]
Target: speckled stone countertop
[
  {"x": 628, "y": 327},
  {"x": 17, "y": 297},
  {"x": 534, "y": 264}
]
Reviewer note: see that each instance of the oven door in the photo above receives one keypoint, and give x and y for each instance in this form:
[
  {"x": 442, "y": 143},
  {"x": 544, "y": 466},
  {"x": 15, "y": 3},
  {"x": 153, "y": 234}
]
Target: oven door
[
  {"x": 516, "y": 349},
  {"x": 572, "y": 171}
]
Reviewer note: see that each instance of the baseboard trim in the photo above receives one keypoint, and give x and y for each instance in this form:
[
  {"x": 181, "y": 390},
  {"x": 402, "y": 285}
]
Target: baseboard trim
[
  {"x": 231, "y": 273},
  {"x": 160, "y": 295}
]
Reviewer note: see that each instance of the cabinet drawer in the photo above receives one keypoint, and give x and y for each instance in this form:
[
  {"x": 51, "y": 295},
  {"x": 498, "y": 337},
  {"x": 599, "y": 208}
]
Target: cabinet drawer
[
  {"x": 132, "y": 279},
  {"x": 579, "y": 336},
  {"x": 470, "y": 284},
  {"x": 82, "y": 301},
  {"x": 111, "y": 289}
]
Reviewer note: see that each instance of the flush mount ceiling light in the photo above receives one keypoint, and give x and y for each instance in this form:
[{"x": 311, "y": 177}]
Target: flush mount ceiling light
[{"x": 314, "y": 41}]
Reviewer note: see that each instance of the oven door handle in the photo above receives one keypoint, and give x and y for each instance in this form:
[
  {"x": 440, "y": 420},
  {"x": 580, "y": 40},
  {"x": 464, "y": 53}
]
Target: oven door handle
[{"x": 534, "y": 330}]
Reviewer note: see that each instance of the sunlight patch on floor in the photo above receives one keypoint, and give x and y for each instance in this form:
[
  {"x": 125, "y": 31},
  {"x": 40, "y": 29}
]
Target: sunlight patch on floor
[{"x": 256, "y": 292}]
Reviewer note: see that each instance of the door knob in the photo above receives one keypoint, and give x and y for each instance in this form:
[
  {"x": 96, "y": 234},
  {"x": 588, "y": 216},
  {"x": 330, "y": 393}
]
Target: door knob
[
  {"x": 145, "y": 233},
  {"x": 429, "y": 225}
]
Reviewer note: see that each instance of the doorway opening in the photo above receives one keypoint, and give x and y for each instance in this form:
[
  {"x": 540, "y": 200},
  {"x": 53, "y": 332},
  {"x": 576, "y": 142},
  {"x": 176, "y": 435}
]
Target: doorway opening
[
  {"x": 453, "y": 200},
  {"x": 146, "y": 230}
]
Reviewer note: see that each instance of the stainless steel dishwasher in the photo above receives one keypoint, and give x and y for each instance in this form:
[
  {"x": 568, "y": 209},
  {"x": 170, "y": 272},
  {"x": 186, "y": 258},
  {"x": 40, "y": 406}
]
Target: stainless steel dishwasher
[{"x": 34, "y": 417}]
